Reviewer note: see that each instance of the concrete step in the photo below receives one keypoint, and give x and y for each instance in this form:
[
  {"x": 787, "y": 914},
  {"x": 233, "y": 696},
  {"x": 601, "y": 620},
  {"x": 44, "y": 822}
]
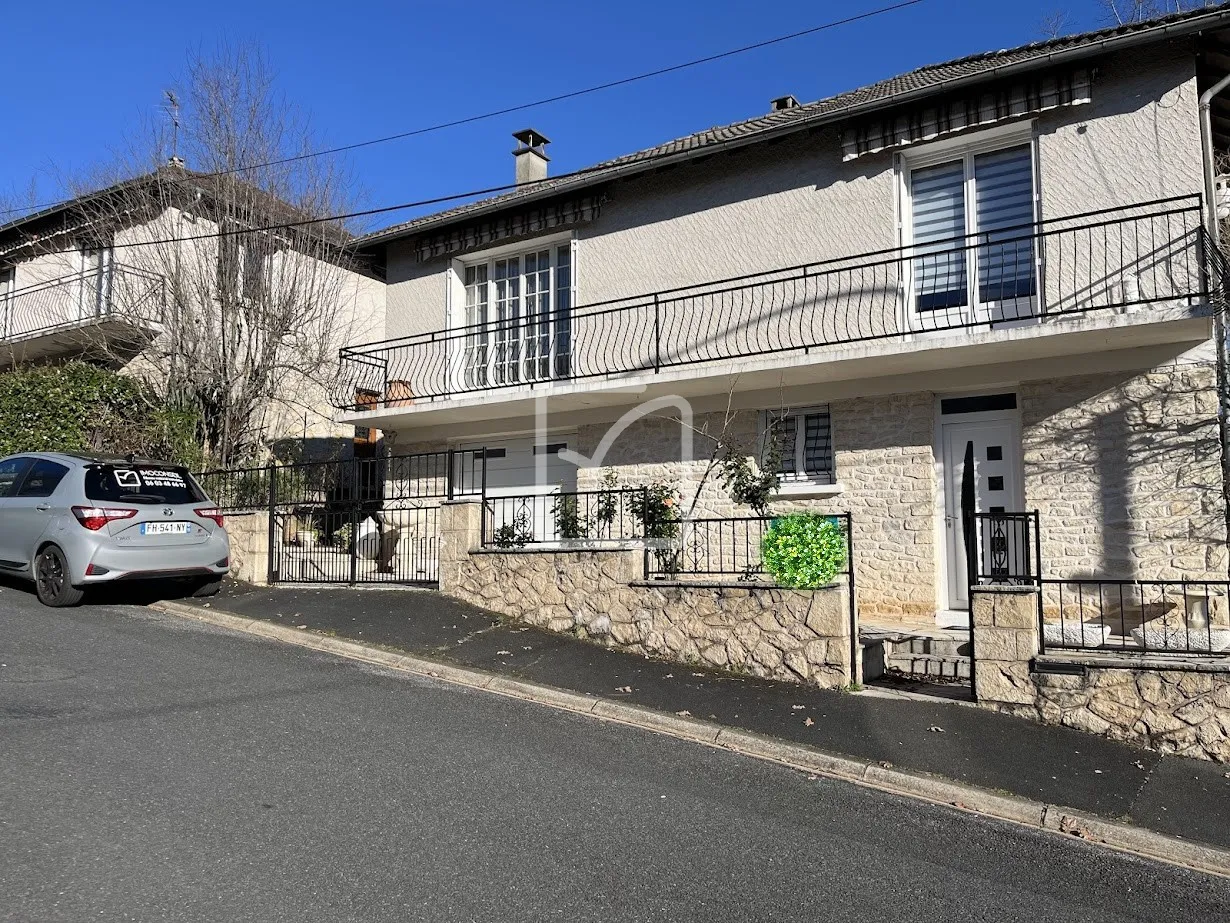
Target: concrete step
[
  {"x": 939, "y": 655},
  {"x": 939, "y": 666},
  {"x": 943, "y": 646}
]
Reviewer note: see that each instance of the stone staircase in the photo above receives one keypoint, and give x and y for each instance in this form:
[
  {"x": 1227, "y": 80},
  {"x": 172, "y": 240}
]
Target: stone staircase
[{"x": 915, "y": 655}]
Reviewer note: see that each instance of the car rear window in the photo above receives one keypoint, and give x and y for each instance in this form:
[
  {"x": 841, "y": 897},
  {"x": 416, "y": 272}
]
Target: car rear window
[{"x": 141, "y": 484}]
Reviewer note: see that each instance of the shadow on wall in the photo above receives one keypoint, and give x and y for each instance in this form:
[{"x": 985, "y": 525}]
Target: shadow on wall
[
  {"x": 1126, "y": 472},
  {"x": 315, "y": 449}
]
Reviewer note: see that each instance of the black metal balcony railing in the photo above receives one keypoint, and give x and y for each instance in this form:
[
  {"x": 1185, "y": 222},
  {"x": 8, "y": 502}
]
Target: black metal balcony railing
[
  {"x": 118, "y": 292},
  {"x": 1153, "y": 252}
]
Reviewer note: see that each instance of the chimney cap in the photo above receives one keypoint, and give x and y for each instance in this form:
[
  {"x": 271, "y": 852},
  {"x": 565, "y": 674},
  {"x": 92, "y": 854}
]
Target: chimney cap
[
  {"x": 531, "y": 137},
  {"x": 785, "y": 102}
]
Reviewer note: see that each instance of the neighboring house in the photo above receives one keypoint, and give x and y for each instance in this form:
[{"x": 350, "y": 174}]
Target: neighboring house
[
  {"x": 116, "y": 275},
  {"x": 1001, "y": 256}
]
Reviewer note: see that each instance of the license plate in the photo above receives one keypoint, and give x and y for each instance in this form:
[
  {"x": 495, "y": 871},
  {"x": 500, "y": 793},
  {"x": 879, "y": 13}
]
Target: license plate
[{"x": 166, "y": 528}]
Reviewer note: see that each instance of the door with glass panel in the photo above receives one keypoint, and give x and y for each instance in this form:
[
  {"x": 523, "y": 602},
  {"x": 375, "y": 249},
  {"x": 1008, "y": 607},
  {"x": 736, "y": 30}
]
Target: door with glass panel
[
  {"x": 972, "y": 253},
  {"x": 518, "y": 318}
]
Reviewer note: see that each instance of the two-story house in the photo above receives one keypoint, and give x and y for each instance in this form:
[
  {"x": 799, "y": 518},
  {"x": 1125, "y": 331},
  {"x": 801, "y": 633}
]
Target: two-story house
[
  {"x": 159, "y": 274},
  {"x": 987, "y": 276}
]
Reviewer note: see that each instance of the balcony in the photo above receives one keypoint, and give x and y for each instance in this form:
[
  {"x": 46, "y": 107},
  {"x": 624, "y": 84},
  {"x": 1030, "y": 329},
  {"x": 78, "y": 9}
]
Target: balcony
[
  {"x": 1117, "y": 278},
  {"x": 112, "y": 309}
]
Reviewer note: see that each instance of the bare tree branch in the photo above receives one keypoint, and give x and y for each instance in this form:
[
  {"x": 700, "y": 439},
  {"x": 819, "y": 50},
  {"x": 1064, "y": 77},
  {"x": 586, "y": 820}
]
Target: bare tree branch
[{"x": 250, "y": 322}]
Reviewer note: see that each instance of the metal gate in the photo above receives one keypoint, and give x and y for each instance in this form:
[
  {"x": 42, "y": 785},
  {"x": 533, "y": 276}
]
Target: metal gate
[{"x": 362, "y": 520}]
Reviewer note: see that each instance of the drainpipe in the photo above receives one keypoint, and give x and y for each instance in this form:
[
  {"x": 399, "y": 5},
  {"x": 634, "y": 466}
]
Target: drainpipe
[{"x": 1213, "y": 228}]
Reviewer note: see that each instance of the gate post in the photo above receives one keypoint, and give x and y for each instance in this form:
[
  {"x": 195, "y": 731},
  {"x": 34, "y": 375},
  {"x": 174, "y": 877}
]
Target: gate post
[
  {"x": 356, "y": 499},
  {"x": 272, "y": 475}
]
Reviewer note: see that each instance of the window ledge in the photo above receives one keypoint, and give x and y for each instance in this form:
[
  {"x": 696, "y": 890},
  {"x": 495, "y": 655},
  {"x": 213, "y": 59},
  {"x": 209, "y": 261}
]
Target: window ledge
[{"x": 804, "y": 489}]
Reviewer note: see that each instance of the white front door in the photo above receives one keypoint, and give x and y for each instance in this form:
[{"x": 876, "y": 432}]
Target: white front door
[{"x": 996, "y": 454}]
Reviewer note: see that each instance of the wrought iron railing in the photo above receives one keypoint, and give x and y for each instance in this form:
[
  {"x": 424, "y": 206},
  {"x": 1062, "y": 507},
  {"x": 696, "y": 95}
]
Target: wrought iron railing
[
  {"x": 116, "y": 291},
  {"x": 569, "y": 518},
  {"x": 1003, "y": 548},
  {"x": 1150, "y": 253},
  {"x": 724, "y": 548},
  {"x": 1135, "y": 616},
  {"x": 370, "y": 481}
]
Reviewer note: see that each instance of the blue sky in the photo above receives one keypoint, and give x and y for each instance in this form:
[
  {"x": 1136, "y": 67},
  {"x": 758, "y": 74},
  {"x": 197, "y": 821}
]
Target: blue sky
[{"x": 374, "y": 68}]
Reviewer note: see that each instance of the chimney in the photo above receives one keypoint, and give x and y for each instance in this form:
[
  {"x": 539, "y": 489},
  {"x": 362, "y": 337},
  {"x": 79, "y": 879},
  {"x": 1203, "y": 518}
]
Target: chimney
[
  {"x": 531, "y": 156},
  {"x": 784, "y": 102}
]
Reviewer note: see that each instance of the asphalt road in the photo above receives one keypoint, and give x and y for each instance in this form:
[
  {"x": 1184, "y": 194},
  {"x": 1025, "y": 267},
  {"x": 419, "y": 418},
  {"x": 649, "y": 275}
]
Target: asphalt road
[{"x": 155, "y": 769}]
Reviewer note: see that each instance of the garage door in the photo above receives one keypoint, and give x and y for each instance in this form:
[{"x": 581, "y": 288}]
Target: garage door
[
  {"x": 512, "y": 466},
  {"x": 519, "y": 493}
]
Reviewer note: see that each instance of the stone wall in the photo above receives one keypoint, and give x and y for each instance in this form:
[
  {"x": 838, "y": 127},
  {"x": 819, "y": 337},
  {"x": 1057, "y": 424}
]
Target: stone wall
[
  {"x": 793, "y": 635},
  {"x": 885, "y": 469},
  {"x": 1124, "y": 469},
  {"x": 249, "y": 539},
  {"x": 1172, "y": 705}
]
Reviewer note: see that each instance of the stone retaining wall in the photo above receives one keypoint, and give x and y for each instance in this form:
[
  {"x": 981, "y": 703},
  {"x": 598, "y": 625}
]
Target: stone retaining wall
[
  {"x": 1171, "y": 705},
  {"x": 794, "y": 635}
]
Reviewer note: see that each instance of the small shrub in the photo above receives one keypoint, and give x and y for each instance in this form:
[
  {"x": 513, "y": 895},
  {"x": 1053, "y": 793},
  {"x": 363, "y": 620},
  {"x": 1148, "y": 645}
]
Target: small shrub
[
  {"x": 514, "y": 534},
  {"x": 656, "y": 508},
  {"x": 804, "y": 551},
  {"x": 569, "y": 523},
  {"x": 606, "y": 505}
]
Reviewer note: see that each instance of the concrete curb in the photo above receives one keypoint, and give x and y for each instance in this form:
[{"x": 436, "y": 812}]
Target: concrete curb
[{"x": 881, "y": 776}]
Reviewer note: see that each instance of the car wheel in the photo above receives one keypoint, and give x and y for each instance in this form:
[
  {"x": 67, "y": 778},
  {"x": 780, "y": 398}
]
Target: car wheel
[
  {"x": 207, "y": 588},
  {"x": 51, "y": 580}
]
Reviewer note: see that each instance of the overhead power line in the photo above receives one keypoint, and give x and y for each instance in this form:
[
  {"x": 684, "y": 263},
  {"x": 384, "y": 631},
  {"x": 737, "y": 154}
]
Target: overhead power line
[
  {"x": 711, "y": 148},
  {"x": 521, "y": 107}
]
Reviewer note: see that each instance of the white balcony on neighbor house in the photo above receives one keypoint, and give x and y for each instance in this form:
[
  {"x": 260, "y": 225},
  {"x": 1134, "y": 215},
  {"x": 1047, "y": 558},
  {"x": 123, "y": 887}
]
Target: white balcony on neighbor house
[
  {"x": 109, "y": 306},
  {"x": 1121, "y": 278}
]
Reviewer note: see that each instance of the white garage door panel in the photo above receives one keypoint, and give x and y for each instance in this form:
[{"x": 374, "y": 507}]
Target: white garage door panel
[{"x": 516, "y": 472}]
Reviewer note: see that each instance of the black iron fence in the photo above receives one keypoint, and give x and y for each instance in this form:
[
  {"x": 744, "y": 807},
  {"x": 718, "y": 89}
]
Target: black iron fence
[
  {"x": 359, "y": 520},
  {"x": 1182, "y": 616},
  {"x": 1003, "y": 548},
  {"x": 1138, "y": 616},
  {"x": 723, "y": 547},
  {"x": 1153, "y": 252},
  {"x": 573, "y": 518},
  {"x": 423, "y": 476},
  {"x": 710, "y": 547}
]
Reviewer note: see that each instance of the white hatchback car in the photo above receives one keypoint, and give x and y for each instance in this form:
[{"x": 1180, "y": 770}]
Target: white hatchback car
[{"x": 70, "y": 521}]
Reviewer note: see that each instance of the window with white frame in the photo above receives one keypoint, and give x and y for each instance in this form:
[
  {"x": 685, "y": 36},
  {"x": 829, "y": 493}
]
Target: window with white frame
[
  {"x": 970, "y": 227},
  {"x": 804, "y": 441},
  {"x": 518, "y": 316}
]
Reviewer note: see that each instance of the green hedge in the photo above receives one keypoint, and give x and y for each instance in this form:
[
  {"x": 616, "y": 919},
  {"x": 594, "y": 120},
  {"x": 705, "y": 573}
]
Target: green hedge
[
  {"x": 804, "y": 550},
  {"x": 82, "y": 407}
]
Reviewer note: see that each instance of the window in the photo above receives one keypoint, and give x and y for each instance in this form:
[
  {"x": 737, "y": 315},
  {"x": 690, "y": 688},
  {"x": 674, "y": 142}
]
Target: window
[
  {"x": 42, "y": 479},
  {"x": 518, "y": 317},
  {"x": 805, "y": 441},
  {"x": 970, "y": 220},
  {"x": 10, "y": 474},
  {"x": 141, "y": 484}
]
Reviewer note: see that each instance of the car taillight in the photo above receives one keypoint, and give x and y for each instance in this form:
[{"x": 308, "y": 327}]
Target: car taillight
[
  {"x": 95, "y": 517},
  {"x": 211, "y": 512}
]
